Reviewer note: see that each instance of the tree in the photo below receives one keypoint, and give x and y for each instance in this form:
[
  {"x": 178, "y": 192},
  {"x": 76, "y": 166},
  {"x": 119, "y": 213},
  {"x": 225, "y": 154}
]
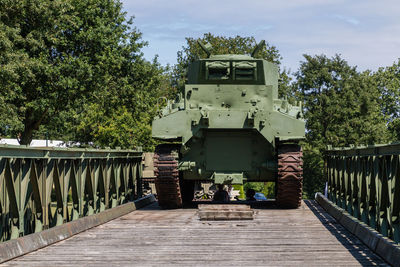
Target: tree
[
  {"x": 313, "y": 170},
  {"x": 58, "y": 57},
  {"x": 226, "y": 45},
  {"x": 124, "y": 118},
  {"x": 388, "y": 82},
  {"x": 341, "y": 106}
]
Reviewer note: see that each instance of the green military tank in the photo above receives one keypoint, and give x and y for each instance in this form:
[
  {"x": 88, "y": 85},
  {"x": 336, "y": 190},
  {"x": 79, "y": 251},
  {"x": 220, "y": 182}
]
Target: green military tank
[{"x": 229, "y": 127}]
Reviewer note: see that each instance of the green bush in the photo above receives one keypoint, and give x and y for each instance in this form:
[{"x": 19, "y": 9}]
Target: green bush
[{"x": 267, "y": 188}]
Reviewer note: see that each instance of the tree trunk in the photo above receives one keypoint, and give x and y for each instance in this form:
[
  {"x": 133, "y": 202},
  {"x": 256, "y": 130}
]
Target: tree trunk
[
  {"x": 30, "y": 124},
  {"x": 26, "y": 136}
]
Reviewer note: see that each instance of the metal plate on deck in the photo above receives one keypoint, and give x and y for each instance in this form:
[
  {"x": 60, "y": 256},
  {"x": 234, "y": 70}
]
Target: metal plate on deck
[{"x": 225, "y": 212}]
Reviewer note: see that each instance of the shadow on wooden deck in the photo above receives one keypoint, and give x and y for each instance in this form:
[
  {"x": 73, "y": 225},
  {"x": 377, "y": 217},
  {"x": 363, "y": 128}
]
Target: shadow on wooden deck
[{"x": 358, "y": 249}]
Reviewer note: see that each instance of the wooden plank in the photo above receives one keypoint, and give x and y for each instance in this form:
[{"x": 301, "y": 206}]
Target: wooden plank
[
  {"x": 221, "y": 212},
  {"x": 225, "y": 215},
  {"x": 223, "y": 207},
  {"x": 306, "y": 236}
]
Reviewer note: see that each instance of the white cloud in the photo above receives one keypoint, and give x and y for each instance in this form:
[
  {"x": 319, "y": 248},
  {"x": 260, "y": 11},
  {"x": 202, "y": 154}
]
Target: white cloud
[{"x": 347, "y": 19}]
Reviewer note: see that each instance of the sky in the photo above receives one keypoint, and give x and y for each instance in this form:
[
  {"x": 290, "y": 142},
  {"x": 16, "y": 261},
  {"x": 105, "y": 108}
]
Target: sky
[{"x": 366, "y": 33}]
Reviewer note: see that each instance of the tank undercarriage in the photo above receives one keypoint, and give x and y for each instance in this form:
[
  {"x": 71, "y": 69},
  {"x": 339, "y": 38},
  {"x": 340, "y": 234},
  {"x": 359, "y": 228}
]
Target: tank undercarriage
[{"x": 173, "y": 190}]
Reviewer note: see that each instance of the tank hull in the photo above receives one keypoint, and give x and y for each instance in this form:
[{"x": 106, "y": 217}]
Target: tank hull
[{"x": 225, "y": 146}]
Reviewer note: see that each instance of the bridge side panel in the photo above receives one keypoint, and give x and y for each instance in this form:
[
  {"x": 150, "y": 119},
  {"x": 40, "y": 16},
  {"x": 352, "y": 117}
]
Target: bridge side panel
[
  {"x": 365, "y": 181},
  {"x": 43, "y": 188}
]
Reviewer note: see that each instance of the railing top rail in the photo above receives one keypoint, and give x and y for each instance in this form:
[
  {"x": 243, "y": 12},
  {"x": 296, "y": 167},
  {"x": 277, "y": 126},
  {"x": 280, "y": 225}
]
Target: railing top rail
[
  {"x": 14, "y": 151},
  {"x": 369, "y": 150}
]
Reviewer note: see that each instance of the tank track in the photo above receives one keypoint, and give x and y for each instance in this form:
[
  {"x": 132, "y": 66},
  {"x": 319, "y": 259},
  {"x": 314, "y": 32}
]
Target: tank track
[
  {"x": 167, "y": 176},
  {"x": 290, "y": 176}
]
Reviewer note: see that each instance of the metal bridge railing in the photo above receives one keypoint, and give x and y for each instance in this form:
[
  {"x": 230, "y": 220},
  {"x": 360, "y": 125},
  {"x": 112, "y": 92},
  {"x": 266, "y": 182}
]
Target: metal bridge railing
[
  {"x": 365, "y": 181},
  {"x": 44, "y": 187}
]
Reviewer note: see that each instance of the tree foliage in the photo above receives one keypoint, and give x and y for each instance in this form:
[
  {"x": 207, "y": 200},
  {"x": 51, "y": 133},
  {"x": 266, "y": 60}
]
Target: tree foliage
[
  {"x": 267, "y": 188},
  {"x": 124, "y": 117},
  {"x": 341, "y": 105},
  {"x": 313, "y": 170},
  {"x": 388, "y": 82},
  {"x": 62, "y": 58}
]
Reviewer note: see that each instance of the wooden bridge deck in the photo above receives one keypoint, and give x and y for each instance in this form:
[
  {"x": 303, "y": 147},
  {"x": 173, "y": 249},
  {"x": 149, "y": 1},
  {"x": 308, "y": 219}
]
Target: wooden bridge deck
[{"x": 150, "y": 237}]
